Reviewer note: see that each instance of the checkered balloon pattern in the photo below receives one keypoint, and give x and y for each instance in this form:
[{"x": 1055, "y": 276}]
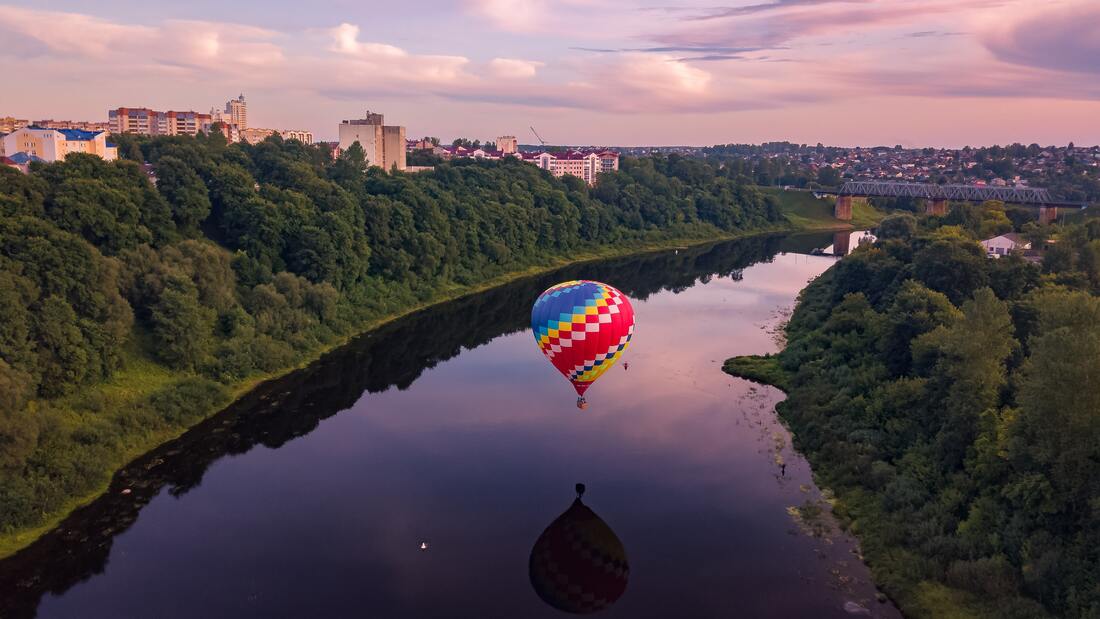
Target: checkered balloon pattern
[
  {"x": 578, "y": 564},
  {"x": 582, "y": 327}
]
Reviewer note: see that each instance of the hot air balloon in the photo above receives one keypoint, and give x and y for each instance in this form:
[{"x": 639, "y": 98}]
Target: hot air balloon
[
  {"x": 582, "y": 327},
  {"x": 578, "y": 564}
]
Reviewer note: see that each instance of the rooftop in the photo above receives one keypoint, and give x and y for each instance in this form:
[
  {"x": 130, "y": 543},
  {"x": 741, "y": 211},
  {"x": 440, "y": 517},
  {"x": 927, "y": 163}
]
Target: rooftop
[
  {"x": 73, "y": 135},
  {"x": 22, "y": 158}
]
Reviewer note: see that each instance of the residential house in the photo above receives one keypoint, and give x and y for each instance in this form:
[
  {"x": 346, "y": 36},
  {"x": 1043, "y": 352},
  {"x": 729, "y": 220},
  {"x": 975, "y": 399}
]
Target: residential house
[{"x": 1005, "y": 244}]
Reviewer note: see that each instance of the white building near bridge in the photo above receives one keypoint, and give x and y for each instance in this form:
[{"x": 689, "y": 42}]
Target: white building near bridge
[{"x": 1005, "y": 244}]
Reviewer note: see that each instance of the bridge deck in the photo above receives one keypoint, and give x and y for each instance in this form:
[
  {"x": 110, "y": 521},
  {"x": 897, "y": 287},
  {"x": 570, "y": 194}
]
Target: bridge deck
[{"x": 968, "y": 193}]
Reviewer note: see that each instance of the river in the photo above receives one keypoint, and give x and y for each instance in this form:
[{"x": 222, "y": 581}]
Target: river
[{"x": 409, "y": 473}]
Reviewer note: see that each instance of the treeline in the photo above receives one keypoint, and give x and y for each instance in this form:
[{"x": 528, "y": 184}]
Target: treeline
[
  {"x": 212, "y": 263},
  {"x": 1069, "y": 173},
  {"x": 952, "y": 401}
]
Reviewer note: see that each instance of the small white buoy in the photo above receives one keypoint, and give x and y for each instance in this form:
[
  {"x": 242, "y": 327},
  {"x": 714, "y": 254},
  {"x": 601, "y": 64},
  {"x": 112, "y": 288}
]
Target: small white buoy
[
  {"x": 125, "y": 491},
  {"x": 423, "y": 546}
]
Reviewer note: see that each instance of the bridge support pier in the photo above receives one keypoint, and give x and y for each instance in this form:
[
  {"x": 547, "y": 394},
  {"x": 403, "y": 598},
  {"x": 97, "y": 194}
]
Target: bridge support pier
[
  {"x": 842, "y": 243},
  {"x": 935, "y": 207},
  {"x": 1048, "y": 214},
  {"x": 843, "y": 208}
]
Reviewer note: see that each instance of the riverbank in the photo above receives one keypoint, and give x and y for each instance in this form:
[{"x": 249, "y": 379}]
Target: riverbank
[
  {"x": 858, "y": 514},
  {"x": 114, "y": 402},
  {"x": 933, "y": 508}
]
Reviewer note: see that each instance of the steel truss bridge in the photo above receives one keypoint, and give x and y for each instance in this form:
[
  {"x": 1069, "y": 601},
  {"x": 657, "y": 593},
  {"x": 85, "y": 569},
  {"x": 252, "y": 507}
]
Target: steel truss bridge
[{"x": 960, "y": 193}]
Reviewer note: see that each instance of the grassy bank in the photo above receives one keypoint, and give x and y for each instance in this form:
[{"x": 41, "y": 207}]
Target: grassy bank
[
  {"x": 116, "y": 410},
  {"x": 764, "y": 369},
  {"x": 806, "y": 212}
]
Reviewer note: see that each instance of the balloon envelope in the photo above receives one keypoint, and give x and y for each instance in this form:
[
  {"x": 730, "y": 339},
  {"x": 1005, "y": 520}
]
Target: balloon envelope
[
  {"x": 578, "y": 564},
  {"x": 582, "y": 327}
]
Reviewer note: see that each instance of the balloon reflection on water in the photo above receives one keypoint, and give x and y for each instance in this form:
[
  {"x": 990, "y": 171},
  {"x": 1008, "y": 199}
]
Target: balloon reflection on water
[{"x": 578, "y": 564}]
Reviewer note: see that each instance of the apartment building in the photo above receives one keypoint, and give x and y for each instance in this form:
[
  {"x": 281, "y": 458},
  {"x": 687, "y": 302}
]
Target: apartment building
[{"x": 383, "y": 144}]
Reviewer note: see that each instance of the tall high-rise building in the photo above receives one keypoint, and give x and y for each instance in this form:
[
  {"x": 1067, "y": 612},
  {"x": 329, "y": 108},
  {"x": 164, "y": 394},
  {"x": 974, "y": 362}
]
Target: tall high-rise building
[
  {"x": 383, "y": 145},
  {"x": 236, "y": 112}
]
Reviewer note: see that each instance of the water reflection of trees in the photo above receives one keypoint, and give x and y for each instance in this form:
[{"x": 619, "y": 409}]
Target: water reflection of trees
[{"x": 281, "y": 410}]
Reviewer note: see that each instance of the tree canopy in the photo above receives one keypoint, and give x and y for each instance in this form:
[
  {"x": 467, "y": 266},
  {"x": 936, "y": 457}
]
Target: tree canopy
[{"x": 950, "y": 400}]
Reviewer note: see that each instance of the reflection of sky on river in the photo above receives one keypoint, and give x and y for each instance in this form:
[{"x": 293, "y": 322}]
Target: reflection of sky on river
[{"x": 477, "y": 457}]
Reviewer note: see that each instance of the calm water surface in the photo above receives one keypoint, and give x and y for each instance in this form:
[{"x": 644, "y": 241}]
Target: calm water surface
[{"x": 311, "y": 496}]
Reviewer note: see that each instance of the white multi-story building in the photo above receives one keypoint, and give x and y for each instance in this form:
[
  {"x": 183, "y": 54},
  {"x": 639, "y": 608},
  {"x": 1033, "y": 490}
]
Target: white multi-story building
[
  {"x": 305, "y": 137},
  {"x": 55, "y": 144},
  {"x": 256, "y": 135},
  {"x": 587, "y": 165}
]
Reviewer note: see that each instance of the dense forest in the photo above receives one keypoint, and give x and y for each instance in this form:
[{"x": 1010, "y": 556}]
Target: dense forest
[
  {"x": 137, "y": 295},
  {"x": 952, "y": 403}
]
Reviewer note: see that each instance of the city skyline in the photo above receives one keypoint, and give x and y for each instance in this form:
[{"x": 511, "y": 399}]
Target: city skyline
[{"x": 847, "y": 72}]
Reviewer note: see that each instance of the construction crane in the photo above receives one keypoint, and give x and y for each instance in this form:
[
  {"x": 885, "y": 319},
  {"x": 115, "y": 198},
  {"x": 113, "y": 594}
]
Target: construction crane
[{"x": 541, "y": 141}]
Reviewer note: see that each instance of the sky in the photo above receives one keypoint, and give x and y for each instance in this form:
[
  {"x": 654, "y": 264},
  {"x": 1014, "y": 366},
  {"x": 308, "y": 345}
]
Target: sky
[{"x": 602, "y": 72}]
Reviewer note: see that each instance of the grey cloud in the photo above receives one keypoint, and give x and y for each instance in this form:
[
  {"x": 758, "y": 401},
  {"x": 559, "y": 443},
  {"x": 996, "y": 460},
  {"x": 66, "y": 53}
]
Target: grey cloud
[
  {"x": 710, "y": 58},
  {"x": 719, "y": 12},
  {"x": 1064, "y": 40},
  {"x": 763, "y": 26},
  {"x": 1001, "y": 84},
  {"x": 933, "y": 33},
  {"x": 691, "y": 49}
]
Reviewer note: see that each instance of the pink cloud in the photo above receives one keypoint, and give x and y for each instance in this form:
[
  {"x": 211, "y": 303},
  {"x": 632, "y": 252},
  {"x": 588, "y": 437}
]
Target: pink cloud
[
  {"x": 767, "y": 56},
  {"x": 357, "y": 61},
  {"x": 514, "y": 68},
  {"x": 173, "y": 45}
]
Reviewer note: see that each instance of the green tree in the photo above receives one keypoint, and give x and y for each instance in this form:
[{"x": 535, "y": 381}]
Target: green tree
[
  {"x": 20, "y": 194},
  {"x": 901, "y": 226},
  {"x": 1058, "y": 426},
  {"x": 182, "y": 326},
  {"x": 828, "y": 176},
  {"x": 970, "y": 371},
  {"x": 916, "y": 310},
  {"x": 955, "y": 267},
  {"x": 184, "y": 190},
  {"x": 1059, "y": 258}
]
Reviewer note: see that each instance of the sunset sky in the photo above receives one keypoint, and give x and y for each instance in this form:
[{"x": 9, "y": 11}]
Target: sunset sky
[{"x": 614, "y": 72}]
